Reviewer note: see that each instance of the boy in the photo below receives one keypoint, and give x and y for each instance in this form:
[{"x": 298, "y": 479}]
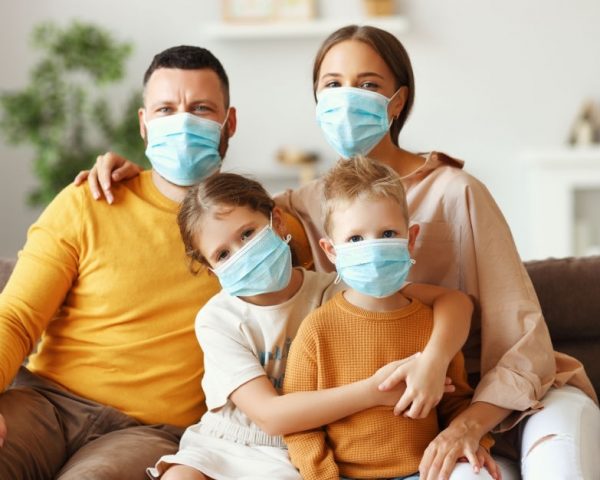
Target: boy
[{"x": 364, "y": 327}]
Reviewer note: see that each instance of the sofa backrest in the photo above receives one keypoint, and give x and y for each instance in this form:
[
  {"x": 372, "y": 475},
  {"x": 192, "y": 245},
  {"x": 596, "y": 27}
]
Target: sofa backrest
[{"x": 569, "y": 293}]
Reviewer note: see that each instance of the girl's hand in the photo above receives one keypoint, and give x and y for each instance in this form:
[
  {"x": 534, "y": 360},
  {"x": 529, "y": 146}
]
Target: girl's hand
[
  {"x": 3, "y": 430},
  {"x": 456, "y": 443},
  {"x": 109, "y": 168},
  {"x": 426, "y": 382}
]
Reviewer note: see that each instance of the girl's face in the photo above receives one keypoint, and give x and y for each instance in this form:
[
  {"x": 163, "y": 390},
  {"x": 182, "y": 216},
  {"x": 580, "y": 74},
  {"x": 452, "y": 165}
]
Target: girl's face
[
  {"x": 353, "y": 63},
  {"x": 225, "y": 229}
]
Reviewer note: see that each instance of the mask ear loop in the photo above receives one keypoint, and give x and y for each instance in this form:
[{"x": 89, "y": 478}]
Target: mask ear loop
[{"x": 287, "y": 238}]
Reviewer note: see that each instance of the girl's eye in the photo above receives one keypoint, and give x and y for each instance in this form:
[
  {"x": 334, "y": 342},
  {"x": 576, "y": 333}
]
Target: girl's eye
[
  {"x": 355, "y": 238},
  {"x": 222, "y": 255},
  {"x": 389, "y": 234},
  {"x": 246, "y": 234}
]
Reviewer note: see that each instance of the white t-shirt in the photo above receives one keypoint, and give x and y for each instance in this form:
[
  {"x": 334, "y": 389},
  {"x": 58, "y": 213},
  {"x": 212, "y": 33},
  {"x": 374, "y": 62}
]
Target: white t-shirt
[{"x": 242, "y": 341}]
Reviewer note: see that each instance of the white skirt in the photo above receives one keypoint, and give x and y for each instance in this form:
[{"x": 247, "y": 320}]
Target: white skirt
[{"x": 227, "y": 460}]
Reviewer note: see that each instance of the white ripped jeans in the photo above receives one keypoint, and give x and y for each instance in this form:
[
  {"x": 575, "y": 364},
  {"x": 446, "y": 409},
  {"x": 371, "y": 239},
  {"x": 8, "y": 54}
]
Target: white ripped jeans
[{"x": 560, "y": 442}]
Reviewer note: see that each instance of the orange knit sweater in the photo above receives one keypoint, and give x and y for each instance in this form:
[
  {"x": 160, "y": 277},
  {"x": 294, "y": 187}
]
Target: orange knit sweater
[{"x": 339, "y": 344}]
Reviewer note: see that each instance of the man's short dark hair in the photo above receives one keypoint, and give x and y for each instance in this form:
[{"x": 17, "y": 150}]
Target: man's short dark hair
[{"x": 187, "y": 57}]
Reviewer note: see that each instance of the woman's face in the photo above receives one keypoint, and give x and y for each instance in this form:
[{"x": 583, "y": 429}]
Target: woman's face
[{"x": 353, "y": 63}]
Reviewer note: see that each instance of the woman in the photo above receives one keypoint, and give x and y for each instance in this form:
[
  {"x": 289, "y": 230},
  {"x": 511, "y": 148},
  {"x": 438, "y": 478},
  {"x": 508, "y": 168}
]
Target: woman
[{"x": 364, "y": 86}]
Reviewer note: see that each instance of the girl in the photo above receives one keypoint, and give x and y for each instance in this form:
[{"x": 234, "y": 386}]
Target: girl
[{"x": 230, "y": 225}]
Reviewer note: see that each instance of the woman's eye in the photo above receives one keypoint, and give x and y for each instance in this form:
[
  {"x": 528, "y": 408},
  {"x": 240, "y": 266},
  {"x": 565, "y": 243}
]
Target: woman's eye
[
  {"x": 389, "y": 234},
  {"x": 355, "y": 238},
  {"x": 369, "y": 85},
  {"x": 246, "y": 234},
  {"x": 332, "y": 84},
  {"x": 222, "y": 255}
]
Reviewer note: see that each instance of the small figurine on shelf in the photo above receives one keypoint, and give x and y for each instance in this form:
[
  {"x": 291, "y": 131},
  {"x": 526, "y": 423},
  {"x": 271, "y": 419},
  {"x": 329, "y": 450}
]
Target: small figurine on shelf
[
  {"x": 586, "y": 129},
  {"x": 306, "y": 161}
]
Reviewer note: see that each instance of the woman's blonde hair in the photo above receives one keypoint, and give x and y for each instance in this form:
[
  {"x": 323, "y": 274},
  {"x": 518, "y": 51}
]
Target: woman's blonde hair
[
  {"x": 220, "y": 189},
  {"x": 360, "y": 178}
]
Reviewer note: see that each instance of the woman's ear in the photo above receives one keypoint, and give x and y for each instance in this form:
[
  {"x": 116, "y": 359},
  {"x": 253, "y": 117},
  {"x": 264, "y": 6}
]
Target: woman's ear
[
  {"x": 413, "y": 233},
  {"x": 328, "y": 248},
  {"x": 278, "y": 219},
  {"x": 397, "y": 102}
]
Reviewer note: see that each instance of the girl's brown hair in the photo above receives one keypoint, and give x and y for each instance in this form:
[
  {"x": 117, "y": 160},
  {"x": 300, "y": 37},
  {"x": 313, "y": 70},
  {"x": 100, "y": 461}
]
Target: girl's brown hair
[
  {"x": 220, "y": 189},
  {"x": 389, "y": 49}
]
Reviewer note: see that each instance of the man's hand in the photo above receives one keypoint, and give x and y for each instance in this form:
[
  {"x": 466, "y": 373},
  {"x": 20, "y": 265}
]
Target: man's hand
[
  {"x": 425, "y": 381},
  {"x": 456, "y": 443},
  {"x": 3, "y": 430},
  {"x": 109, "y": 168}
]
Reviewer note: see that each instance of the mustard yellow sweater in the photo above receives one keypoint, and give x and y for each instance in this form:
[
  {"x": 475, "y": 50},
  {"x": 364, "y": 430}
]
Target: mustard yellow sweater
[
  {"x": 108, "y": 287},
  {"x": 340, "y": 343}
]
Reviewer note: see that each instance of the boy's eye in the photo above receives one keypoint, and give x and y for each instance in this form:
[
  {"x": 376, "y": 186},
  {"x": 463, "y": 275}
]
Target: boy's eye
[
  {"x": 222, "y": 255},
  {"x": 355, "y": 238},
  {"x": 246, "y": 234},
  {"x": 389, "y": 234}
]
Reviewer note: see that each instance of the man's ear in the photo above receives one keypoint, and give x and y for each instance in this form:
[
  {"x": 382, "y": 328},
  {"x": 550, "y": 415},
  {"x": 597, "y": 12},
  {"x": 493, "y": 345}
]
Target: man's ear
[
  {"x": 279, "y": 225},
  {"x": 328, "y": 248},
  {"x": 397, "y": 102},
  {"x": 231, "y": 122},
  {"x": 413, "y": 233},
  {"x": 143, "y": 132}
]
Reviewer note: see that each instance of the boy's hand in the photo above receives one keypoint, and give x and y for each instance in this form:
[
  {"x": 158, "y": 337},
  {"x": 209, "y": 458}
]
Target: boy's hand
[
  {"x": 3, "y": 430},
  {"x": 109, "y": 168},
  {"x": 455, "y": 443},
  {"x": 426, "y": 382}
]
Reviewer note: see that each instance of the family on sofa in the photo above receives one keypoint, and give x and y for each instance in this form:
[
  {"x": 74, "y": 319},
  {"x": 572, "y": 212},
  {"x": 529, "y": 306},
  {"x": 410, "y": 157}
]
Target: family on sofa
[{"x": 105, "y": 288}]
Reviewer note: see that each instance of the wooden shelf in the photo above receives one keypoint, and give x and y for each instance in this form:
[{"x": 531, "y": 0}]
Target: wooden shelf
[{"x": 299, "y": 29}]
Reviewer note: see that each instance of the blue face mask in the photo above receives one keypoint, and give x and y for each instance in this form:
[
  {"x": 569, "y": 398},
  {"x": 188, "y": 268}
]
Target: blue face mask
[
  {"x": 377, "y": 268},
  {"x": 183, "y": 148},
  {"x": 263, "y": 265},
  {"x": 353, "y": 120}
]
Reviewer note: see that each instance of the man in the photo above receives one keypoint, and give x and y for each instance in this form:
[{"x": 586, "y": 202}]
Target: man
[{"x": 117, "y": 372}]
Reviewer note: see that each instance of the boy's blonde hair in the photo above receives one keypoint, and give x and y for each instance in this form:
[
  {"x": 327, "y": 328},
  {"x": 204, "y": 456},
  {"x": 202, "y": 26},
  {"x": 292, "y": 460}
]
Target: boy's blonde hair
[{"x": 361, "y": 178}]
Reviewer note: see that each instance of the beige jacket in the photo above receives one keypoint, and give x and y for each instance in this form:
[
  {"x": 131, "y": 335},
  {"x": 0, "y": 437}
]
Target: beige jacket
[{"x": 465, "y": 243}]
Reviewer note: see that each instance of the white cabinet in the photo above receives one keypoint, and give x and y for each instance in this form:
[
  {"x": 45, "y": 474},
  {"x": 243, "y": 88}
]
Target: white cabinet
[{"x": 564, "y": 202}]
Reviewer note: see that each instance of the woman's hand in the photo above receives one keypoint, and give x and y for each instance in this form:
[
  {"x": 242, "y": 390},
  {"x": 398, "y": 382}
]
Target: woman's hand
[
  {"x": 456, "y": 443},
  {"x": 3, "y": 430},
  {"x": 426, "y": 382},
  {"x": 109, "y": 168}
]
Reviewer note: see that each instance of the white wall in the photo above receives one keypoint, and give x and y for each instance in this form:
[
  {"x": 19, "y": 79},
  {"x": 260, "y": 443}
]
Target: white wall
[{"x": 493, "y": 79}]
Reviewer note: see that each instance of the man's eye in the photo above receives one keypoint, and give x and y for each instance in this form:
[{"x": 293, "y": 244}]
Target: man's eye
[
  {"x": 164, "y": 110},
  {"x": 222, "y": 255},
  {"x": 355, "y": 238},
  {"x": 246, "y": 234},
  {"x": 389, "y": 234},
  {"x": 201, "y": 109}
]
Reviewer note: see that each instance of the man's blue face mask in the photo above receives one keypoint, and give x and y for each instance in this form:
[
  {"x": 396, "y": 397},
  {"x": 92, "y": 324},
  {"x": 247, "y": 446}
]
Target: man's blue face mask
[
  {"x": 184, "y": 148},
  {"x": 353, "y": 120},
  {"x": 377, "y": 268},
  {"x": 263, "y": 265}
]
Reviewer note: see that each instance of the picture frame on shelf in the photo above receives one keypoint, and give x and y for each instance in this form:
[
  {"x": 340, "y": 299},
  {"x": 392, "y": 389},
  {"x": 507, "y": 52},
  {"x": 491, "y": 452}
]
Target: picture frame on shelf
[
  {"x": 248, "y": 11},
  {"x": 295, "y": 10}
]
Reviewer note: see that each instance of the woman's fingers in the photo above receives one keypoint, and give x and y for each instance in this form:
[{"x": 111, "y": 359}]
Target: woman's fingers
[{"x": 81, "y": 177}]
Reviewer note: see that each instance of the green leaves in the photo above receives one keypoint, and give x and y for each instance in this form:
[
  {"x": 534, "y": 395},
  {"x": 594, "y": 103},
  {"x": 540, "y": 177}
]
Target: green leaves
[{"x": 64, "y": 113}]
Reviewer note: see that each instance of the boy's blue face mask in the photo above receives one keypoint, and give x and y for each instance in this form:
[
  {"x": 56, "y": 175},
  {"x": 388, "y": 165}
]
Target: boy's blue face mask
[
  {"x": 353, "y": 120},
  {"x": 263, "y": 265},
  {"x": 377, "y": 268},
  {"x": 184, "y": 148}
]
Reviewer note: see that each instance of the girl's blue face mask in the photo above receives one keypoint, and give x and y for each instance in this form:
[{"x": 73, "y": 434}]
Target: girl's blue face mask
[
  {"x": 262, "y": 265},
  {"x": 353, "y": 120},
  {"x": 184, "y": 148},
  {"x": 377, "y": 268}
]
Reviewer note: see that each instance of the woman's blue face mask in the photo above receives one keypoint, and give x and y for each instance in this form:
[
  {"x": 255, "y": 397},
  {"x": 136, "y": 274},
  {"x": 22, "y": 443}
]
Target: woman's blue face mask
[
  {"x": 184, "y": 148},
  {"x": 377, "y": 267},
  {"x": 353, "y": 120}
]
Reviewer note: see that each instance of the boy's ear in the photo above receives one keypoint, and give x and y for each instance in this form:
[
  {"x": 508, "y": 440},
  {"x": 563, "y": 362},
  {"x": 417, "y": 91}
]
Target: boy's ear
[
  {"x": 413, "y": 233},
  {"x": 328, "y": 248},
  {"x": 279, "y": 222}
]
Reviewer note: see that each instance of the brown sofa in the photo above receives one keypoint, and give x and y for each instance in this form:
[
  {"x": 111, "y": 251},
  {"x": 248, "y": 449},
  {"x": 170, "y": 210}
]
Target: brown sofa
[{"x": 569, "y": 292}]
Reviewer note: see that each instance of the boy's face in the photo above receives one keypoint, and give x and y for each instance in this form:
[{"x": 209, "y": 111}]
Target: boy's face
[{"x": 367, "y": 219}]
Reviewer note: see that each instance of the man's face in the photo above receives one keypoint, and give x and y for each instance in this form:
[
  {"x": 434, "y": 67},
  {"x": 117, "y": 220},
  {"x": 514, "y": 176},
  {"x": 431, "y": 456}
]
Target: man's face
[{"x": 171, "y": 90}]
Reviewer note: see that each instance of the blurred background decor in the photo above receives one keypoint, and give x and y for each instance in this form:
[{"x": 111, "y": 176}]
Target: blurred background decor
[
  {"x": 586, "y": 127},
  {"x": 377, "y": 8},
  {"x": 63, "y": 113},
  {"x": 301, "y": 159},
  {"x": 257, "y": 11}
]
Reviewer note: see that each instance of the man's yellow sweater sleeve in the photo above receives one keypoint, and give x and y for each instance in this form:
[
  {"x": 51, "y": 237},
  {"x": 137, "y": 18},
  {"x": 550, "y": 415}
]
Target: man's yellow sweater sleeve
[
  {"x": 309, "y": 452},
  {"x": 44, "y": 273}
]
